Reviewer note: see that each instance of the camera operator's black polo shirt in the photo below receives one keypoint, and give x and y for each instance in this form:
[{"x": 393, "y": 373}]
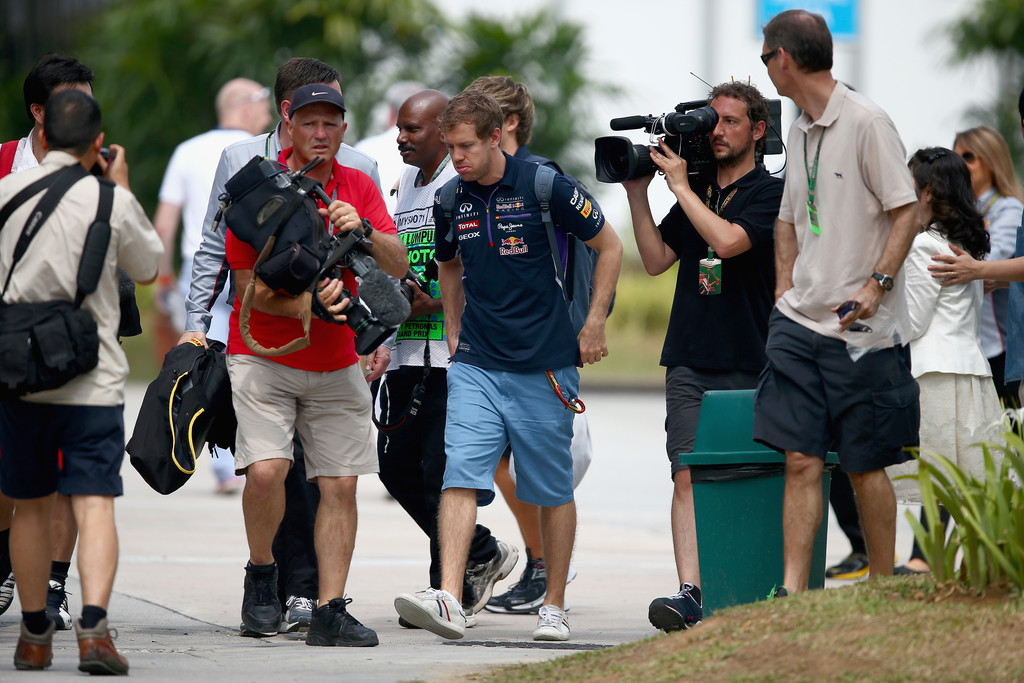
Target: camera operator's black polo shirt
[
  {"x": 515, "y": 317},
  {"x": 725, "y": 331}
]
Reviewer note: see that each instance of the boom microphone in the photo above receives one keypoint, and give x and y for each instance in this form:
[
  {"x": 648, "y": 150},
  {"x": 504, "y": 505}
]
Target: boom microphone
[
  {"x": 628, "y": 122},
  {"x": 384, "y": 298}
]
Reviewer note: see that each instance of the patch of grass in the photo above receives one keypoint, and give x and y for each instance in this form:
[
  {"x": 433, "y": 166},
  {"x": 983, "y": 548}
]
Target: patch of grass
[{"x": 898, "y": 629}]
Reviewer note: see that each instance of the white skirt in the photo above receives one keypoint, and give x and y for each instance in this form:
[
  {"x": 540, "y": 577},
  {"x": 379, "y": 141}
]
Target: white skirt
[{"x": 957, "y": 412}]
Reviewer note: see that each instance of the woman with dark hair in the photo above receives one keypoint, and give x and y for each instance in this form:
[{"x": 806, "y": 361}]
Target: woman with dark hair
[
  {"x": 959, "y": 404},
  {"x": 999, "y": 198}
]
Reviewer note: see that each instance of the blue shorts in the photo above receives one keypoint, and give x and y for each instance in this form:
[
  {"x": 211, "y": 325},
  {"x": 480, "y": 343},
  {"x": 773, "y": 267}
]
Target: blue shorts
[
  {"x": 488, "y": 409},
  {"x": 34, "y": 435},
  {"x": 813, "y": 398}
]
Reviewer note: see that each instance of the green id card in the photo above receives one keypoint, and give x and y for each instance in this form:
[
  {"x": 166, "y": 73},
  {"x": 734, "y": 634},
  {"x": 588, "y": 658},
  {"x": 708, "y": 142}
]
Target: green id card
[{"x": 812, "y": 216}]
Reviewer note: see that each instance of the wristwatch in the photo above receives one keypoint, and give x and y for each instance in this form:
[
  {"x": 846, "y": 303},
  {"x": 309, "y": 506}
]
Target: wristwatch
[{"x": 885, "y": 281}]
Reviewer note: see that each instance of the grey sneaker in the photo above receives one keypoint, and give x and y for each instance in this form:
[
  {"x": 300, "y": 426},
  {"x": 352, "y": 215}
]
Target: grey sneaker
[
  {"x": 435, "y": 610},
  {"x": 57, "y": 606},
  {"x": 298, "y": 613},
  {"x": 482, "y": 577},
  {"x": 7, "y": 592}
]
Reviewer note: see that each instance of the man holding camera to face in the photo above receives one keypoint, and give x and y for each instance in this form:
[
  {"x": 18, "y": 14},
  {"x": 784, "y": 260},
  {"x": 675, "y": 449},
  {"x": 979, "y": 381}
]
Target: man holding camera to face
[
  {"x": 318, "y": 391},
  {"x": 721, "y": 233},
  {"x": 69, "y": 439}
]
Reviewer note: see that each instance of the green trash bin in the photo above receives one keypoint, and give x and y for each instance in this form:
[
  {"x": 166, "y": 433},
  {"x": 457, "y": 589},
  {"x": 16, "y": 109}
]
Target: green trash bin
[{"x": 738, "y": 486}]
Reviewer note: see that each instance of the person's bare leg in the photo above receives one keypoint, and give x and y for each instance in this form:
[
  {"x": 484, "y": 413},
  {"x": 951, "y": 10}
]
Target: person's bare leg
[
  {"x": 98, "y": 549},
  {"x": 876, "y": 503},
  {"x": 527, "y": 515},
  {"x": 30, "y": 551},
  {"x": 456, "y": 521},
  {"x": 558, "y": 529},
  {"x": 684, "y": 529},
  {"x": 334, "y": 534},
  {"x": 801, "y": 517},
  {"x": 263, "y": 506},
  {"x": 63, "y": 530}
]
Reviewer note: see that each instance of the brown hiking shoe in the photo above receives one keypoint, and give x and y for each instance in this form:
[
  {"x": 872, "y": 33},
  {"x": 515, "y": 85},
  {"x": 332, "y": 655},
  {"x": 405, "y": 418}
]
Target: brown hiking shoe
[
  {"x": 34, "y": 651},
  {"x": 96, "y": 651}
]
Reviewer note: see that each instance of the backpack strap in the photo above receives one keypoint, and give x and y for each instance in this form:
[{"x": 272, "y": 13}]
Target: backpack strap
[
  {"x": 59, "y": 183},
  {"x": 543, "y": 182},
  {"x": 7, "y": 152},
  {"x": 446, "y": 198}
]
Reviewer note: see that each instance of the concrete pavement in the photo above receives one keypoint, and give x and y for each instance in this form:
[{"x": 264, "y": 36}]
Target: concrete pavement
[{"x": 179, "y": 585}]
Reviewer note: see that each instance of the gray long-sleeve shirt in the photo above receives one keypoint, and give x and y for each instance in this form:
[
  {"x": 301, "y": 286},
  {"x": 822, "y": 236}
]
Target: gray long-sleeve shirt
[{"x": 210, "y": 267}]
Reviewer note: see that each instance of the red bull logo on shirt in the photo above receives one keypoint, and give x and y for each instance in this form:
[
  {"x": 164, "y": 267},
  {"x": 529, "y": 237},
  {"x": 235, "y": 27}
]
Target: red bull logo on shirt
[{"x": 513, "y": 245}]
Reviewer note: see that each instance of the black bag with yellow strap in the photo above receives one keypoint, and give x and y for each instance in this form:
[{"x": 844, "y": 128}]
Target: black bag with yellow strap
[{"x": 187, "y": 406}]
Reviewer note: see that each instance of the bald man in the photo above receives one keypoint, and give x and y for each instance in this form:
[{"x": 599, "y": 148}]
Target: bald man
[{"x": 243, "y": 110}]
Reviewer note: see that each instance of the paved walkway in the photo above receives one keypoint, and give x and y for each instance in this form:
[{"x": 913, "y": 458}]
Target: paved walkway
[{"x": 179, "y": 584}]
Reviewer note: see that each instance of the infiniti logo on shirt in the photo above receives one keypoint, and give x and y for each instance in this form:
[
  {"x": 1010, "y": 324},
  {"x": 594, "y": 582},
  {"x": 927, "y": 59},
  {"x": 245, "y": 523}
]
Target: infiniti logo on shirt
[{"x": 466, "y": 207}]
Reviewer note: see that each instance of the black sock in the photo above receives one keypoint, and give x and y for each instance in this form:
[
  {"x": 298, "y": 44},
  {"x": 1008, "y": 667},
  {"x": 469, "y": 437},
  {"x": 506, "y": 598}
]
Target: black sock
[
  {"x": 36, "y": 622},
  {"x": 92, "y": 615},
  {"x": 261, "y": 568},
  {"x": 695, "y": 594},
  {"x": 59, "y": 571}
]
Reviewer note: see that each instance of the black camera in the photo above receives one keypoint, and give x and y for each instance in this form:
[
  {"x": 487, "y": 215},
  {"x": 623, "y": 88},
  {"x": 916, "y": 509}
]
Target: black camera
[
  {"x": 380, "y": 307},
  {"x": 685, "y": 131},
  {"x": 107, "y": 155}
]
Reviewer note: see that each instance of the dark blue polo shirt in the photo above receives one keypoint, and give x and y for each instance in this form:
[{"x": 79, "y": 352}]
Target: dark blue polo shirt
[{"x": 515, "y": 317}]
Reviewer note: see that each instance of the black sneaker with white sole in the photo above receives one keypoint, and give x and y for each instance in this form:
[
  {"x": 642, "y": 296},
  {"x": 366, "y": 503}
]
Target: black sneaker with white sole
[
  {"x": 261, "y": 609},
  {"x": 677, "y": 612}
]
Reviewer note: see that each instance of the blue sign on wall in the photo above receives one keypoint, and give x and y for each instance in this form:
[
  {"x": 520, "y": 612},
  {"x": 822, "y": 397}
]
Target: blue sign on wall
[{"x": 841, "y": 15}]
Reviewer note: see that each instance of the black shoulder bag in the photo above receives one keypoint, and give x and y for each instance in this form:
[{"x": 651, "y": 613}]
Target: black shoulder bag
[{"x": 44, "y": 345}]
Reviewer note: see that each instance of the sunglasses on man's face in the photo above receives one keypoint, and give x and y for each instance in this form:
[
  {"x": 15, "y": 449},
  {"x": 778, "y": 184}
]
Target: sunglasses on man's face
[{"x": 767, "y": 56}]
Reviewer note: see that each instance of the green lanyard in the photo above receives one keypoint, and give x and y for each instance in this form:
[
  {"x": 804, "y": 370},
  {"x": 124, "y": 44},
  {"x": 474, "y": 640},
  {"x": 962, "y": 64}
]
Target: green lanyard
[{"x": 812, "y": 183}]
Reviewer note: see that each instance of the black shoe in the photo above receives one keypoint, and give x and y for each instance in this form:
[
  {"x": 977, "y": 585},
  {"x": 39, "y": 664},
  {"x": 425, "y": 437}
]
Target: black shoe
[
  {"x": 677, "y": 612},
  {"x": 903, "y": 570},
  {"x": 57, "y": 606},
  {"x": 261, "y": 609},
  {"x": 526, "y": 596},
  {"x": 855, "y": 566},
  {"x": 333, "y": 625}
]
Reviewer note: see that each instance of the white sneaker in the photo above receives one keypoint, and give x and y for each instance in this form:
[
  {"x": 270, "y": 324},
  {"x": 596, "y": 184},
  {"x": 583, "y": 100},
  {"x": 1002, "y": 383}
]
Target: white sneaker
[
  {"x": 552, "y": 624},
  {"x": 434, "y": 610},
  {"x": 482, "y": 577}
]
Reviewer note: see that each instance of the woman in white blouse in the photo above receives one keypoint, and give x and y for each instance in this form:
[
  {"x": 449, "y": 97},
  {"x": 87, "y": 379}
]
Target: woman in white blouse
[{"x": 959, "y": 404}]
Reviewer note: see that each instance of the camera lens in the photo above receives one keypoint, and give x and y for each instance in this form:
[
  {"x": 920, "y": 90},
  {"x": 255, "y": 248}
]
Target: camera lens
[{"x": 617, "y": 159}]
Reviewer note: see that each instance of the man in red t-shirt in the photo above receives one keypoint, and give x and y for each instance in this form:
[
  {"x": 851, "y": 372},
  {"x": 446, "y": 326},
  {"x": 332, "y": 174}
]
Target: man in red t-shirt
[{"x": 319, "y": 391}]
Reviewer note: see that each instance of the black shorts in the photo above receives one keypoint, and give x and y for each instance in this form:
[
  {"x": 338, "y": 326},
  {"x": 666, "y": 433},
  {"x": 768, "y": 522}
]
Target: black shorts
[
  {"x": 684, "y": 389},
  {"x": 73, "y": 450},
  {"x": 812, "y": 398}
]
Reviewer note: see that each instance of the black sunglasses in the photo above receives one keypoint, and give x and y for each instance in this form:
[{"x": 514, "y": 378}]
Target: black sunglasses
[
  {"x": 969, "y": 156},
  {"x": 767, "y": 56}
]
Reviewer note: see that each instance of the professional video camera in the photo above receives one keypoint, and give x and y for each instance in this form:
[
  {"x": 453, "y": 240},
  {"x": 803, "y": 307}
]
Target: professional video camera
[
  {"x": 273, "y": 210},
  {"x": 685, "y": 131}
]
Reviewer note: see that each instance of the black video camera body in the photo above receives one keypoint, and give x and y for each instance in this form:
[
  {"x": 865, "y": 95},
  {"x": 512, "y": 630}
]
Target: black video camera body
[{"x": 685, "y": 131}]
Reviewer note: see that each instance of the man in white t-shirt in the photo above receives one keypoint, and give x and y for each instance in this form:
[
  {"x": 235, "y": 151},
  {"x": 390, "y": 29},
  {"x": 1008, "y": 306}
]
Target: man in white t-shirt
[{"x": 243, "y": 110}]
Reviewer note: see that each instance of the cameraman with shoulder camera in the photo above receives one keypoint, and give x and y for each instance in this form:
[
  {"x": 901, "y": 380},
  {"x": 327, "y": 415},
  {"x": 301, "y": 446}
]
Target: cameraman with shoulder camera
[
  {"x": 70, "y": 440},
  {"x": 721, "y": 233},
  {"x": 318, "y": 391}
]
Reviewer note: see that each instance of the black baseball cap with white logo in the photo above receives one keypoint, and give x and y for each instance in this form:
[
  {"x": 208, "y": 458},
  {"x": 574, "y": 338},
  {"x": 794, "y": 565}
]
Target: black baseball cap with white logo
[{"x": 316, "y": 92}]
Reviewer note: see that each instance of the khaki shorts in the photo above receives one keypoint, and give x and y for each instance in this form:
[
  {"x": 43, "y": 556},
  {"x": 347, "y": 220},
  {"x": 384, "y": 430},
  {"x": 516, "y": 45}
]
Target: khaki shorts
[{"x": 330, "y": 411}]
